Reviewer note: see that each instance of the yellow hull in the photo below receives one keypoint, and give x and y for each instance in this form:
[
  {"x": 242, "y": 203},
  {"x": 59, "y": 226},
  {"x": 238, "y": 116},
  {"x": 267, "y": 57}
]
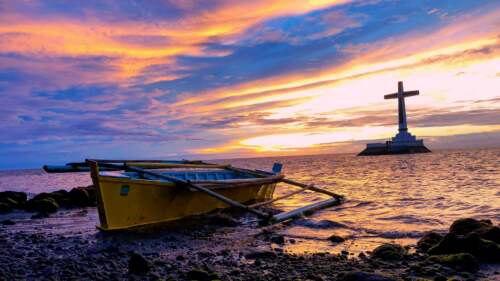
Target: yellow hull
[{"x": 125, "y": 202}]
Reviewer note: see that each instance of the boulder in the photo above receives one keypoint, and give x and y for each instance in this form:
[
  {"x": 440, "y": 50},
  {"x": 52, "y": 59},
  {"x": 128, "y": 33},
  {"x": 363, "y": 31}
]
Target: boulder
[
  {"x": 138, "y": 264},
  {"x": 483, "y": 250},
  {"x": 461, "y": 261},
  {"x": 278, "y": 239},
  {"x": 362, "y": 276},
  {"x": 493, "y": 234},
  {"x": 46, "y": 205},
  {"x": 12, "y": 200},
  {"x": 15, "y": 195},
  {"x": 429, "y": 240},
  {"x": 5, "y": 207},
  {"x": 92, "y": 192},
  {"x": 80, "y": 197},
  {"x": 468, "y": 225},
  {"x": 388, "y": 252}
]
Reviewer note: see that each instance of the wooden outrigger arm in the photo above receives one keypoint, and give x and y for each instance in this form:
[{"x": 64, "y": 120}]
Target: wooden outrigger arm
[
  {"x": 140, "y": 166},
  {"x": 336, "y": 199}
]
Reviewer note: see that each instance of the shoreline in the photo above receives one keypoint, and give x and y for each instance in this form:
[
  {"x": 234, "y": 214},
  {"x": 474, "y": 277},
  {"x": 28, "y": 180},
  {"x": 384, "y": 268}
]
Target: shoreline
[{"x": 209, "y": 247}]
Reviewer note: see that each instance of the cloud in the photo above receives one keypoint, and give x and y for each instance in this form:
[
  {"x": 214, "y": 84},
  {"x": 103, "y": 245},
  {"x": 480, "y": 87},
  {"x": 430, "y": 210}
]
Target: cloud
[{"x": 179, "y": 77}]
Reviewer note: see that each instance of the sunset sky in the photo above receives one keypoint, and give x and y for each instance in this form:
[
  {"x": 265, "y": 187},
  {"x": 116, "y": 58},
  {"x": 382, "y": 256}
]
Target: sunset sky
[{"x": 224, "y": 79}]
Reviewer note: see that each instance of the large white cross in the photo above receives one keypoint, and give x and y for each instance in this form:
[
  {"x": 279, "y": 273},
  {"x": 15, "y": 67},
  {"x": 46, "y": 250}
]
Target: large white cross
[{"x": 400, "y": 95}]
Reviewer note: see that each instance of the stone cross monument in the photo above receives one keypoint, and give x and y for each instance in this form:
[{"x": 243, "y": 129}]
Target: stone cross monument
[
  {"x": 401, "y": 95},
  {"x": 403, "y": 142}
]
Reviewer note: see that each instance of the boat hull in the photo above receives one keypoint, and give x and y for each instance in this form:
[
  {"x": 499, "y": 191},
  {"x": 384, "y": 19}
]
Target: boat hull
[{"x": 125, "y": 203}]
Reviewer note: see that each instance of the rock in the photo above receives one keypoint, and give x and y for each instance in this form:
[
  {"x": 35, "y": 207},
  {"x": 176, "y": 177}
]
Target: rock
[
  {"x": 19, "y": 197},
  {"x": 79, "y": 197},
  {"x": 461, "y": 261},
  {"x": 137, "y": 264},
  {"x": 363, "y": 276},
  {"x": 429, "y": 240},
  {"x": 484, "y": 228},
  {"x": 388, "y": 252},
  {"x": 47, "y": 205},
  {"x": 5, "y": 207},
  {"x": 493, "y": 234},
  {"x": 8, "y": 222},
  {"x": 12, "y": 200},
  {"x": 468, "y": 226},
  {"x": 201, "y": 275},
  {"x": 92, "y": 192},
  {"x": 483, "y": 250},
  {"x": 336, "y": 239},
  {"x": 278, "y": 239},
  {"x": 61, "y": 197}
]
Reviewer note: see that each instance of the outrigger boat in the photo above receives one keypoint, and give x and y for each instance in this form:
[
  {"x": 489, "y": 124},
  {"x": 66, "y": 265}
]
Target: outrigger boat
[{"x": 133, "y": 193}]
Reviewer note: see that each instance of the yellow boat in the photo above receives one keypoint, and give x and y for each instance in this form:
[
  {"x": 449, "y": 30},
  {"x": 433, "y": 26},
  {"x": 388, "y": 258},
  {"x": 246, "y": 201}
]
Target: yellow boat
[{"x": 130, "y": 194}]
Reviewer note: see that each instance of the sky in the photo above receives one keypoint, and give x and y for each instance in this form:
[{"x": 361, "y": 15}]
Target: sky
[{"x": 225, "y": 79}]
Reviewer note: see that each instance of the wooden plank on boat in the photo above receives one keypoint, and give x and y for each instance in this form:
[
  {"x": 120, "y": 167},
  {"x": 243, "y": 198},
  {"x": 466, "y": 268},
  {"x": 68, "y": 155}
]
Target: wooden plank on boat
[
  {"x": 304, "y": 211},
  {"x": 172, "y": 165},
  {"x": 270, "y": 179}
]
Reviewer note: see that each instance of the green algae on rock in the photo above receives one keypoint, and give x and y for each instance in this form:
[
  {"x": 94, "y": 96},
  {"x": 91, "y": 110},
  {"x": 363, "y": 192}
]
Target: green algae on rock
[
  {"x": 461, "y": 261},
  {"x": 428, "y": 241},
  {"x": 388, "y": 252}
]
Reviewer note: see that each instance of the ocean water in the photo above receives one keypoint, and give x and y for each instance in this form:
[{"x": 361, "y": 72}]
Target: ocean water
[{"x": 388, "y": 198}]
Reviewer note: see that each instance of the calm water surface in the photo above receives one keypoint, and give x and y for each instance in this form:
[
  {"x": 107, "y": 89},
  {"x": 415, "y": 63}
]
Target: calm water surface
[{"x": 389, "y": 198}]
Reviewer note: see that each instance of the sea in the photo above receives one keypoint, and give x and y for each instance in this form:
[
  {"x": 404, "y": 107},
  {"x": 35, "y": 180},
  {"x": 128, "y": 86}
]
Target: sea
[{"x": 394, "y": 198}]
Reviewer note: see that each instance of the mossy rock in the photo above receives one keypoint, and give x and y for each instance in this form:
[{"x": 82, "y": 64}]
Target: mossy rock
[
  {"x": 493, "y": 234},
  {"x": 468, "y": 225},
  {"x": 5, "y": 207},
  {"x": 388, "y": 252},
  {"x": 92, "y": 194},
  {"x": 13, "y": 203},
  {"x": 79, "y": 197},
  {"x": 12, "y": 200},
  {"x": 483, "y": 250},
  {"x": 429, "y": 240},
  {"x": 46, "y": 205},
  {"x": 484, "y": 228},
  {"x": 460, "y": 261},
  {"x": 19, "y": 197}
]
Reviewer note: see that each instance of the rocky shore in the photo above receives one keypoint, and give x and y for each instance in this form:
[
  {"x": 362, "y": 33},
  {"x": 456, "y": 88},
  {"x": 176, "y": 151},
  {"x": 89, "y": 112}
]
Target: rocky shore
[
  {"x": 218, "y": 247},
  {"x": 45, "y": 203}
]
